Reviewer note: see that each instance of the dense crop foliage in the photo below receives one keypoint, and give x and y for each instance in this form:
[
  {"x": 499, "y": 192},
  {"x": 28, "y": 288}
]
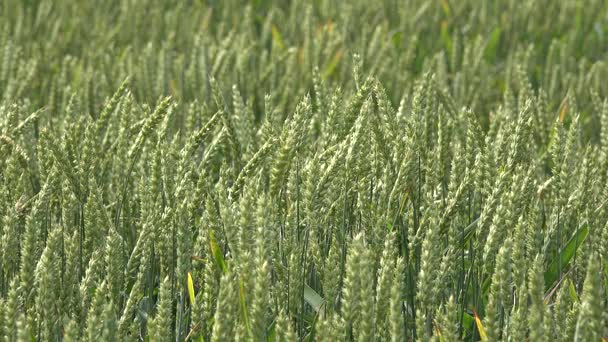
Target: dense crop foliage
[{"x": 303, "y": 170}]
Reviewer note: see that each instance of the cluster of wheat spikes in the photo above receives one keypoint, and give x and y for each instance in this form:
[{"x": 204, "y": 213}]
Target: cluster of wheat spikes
[{"x": 303, "y": 170}]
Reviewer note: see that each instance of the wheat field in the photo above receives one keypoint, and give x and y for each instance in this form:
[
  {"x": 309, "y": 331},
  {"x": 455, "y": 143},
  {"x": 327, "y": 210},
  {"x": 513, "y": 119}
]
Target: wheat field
[{"x": 206, "y": 170}]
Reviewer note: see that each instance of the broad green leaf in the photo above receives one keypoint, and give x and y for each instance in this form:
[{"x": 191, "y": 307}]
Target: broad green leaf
[
  {"x": 313, "y": 298},
  {"x": 467, "y": 321},
  {"x": 568, "y": 252}
]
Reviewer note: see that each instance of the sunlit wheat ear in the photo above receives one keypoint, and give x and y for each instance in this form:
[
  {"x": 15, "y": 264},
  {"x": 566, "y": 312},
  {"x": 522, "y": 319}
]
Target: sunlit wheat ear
[
  {"x": 499, "y": 297},
  {"x": 536, "y": 308},
  {"x": 385, "y": 278},
  {"x": 24, "y": 328},
  {"x": 447, "y": 321},
  {"x": 227, "y": 309},
  {"x": 150, "y": 123},
  {"x": 284, "y": 329},
  {"x": 430, "y": 258},
  {"x": 351, "y": 290},
  {"x": 396, "y": 314},
  {"x": 589, "y": 325},
  {"x": 115, "y": 266},
  {"x": 71, "y": 333},
  {"x": 160, "y": 325},
  {"x": 259, "y": 306},
  {"x": 94, "y": 324}
]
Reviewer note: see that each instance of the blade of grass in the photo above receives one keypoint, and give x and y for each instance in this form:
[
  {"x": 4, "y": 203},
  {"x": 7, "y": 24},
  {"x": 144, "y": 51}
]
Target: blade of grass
[
  {"x": 566, "y": 255},
  {"x": 190, "y": 288},
  {"x": 480, "y": 328}
]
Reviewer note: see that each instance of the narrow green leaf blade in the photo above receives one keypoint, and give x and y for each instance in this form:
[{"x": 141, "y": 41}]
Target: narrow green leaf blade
[
  {"x": 217, "y": 253},
  {"x": 190, "y": 288},
  {"x": 243, "y": 306}
]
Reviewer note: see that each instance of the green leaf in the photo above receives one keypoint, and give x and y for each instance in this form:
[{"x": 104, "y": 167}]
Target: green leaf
[
  {"x": 396, "y": 39},
  {"x": 445, "y": 36},
  {"x": 564, "y": 107},
  {"x": 568, "y": 252},
  {"x": 217, "y": 253},
  {"x": 572, "y": 291},
  {"x": 190, "y": 288},
  {"x": 277, "y": 38},
  {"x": 333, "y": 64},
  {"x": 272, "y": 332},
  {"x": 490, "y": 51},
  {"x": 243, "y": 306},
  {"x": 447, "y": 9},
  {"x": 480, "y": 328},
  {"x": 468, "y": 321},
  {"x": 485, "y": 286},
  {"x": 313, "y": 298}
]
